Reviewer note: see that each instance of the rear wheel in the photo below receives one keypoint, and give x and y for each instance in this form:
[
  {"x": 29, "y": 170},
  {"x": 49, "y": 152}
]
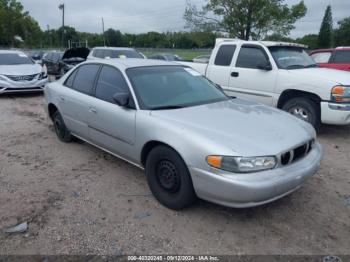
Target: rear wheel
[
  {"x": 61, "y": 130},
  {"x": 169, "y": 179},
  {"x": 304, "y": 109}
]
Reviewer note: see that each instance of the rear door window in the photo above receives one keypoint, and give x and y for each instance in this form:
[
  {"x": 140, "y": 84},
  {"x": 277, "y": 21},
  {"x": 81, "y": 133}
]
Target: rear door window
[
  {"x": 342, "y": 57},
  {"x": 85, "y": 78},
  {"x": 322, "y": 57},
  {"x": 225, "y": 55},
  {"x": 110, "y": 82},
  {"x": 251, "y": 57}
]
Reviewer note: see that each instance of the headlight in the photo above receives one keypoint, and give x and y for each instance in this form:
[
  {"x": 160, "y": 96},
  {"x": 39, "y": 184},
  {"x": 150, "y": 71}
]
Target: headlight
[
  {"x": 341, "y": 94},
  {"x": 42, "y": 75},
  {"x": 242, "y": 164}
]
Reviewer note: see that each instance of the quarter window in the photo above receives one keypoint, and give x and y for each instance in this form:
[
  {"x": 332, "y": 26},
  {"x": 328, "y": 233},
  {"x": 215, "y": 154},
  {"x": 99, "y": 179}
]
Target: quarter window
[
  {"x": 321, "y": 58},
  {"x": 225, "y": 55},
  {"x": 110, "y": 82},
  {"x": 251, "y": 57},
  {"x": 85, "y": 78},
  {"x": 342, "y": 57}
]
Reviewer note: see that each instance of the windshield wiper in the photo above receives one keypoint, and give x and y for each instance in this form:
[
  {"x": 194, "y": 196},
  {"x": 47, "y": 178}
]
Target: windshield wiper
[
  {"x": 295, "y": 67},
  {"x": 167, "y": 107}
]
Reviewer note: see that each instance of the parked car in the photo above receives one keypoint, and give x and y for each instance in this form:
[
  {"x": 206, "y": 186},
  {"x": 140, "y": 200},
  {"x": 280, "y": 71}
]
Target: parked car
[
  {"x": 336, "y": 58},
  {"x": 189, "y": 136},
  {"x": 19, "y": 73},
  {"x": 204, "y": 59},
  {"x": 51, "y": 60},
  {"x": 282, "y": 75},
  {"x": 113, "y": 52},
  {"x": 59, "y": 63},
  {"x": 166, "y": 57}
]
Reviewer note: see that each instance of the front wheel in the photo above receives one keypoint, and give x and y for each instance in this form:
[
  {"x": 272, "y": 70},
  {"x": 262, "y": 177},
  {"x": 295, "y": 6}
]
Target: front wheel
[
  {"x": 304, "y": 109},
  {"x": 61, "y": 130},
  {"x": 169, "y": 179}
]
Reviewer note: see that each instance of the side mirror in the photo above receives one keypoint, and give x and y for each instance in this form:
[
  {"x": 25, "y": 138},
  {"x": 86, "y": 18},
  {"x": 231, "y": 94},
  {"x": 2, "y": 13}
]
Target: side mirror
[
  {"x": 265, "y": 65},
  {"x": 121, "y": 99}
]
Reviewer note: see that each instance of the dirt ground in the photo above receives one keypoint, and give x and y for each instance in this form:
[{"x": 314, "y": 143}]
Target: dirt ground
[{"x": 80, "y": 200}]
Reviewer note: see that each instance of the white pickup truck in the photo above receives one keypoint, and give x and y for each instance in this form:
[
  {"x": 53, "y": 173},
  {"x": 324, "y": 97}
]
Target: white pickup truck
[{"x": 280, "y": 75}]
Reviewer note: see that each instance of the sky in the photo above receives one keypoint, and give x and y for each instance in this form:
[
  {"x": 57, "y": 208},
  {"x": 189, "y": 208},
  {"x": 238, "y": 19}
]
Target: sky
[{"x": 138, "y": 16}]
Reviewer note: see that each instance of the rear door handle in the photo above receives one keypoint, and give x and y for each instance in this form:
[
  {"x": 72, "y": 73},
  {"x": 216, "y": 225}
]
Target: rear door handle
[
  {"x": 235, "y": 74},
  {"x": 93, "y": 110},
  {"x": 62, "y": 98}
]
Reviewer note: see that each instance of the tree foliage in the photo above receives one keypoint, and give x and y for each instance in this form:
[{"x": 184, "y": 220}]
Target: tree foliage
[
  {"x": 245, "y": 19},
  {"x": 342, "y": 34},
  {"x": 17, "y": 27},
  {"x": 325, "y": 37}
]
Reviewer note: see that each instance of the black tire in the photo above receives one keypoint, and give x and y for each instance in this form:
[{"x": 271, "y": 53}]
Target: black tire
[
  {"x": 169, "y": 179},
  {"x": 61, "y": 130},
  {"x": 309, "y": 111}
]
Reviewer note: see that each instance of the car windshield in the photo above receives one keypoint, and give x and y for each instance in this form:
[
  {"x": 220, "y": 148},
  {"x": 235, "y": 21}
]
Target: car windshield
[
  {"x": 171, "y": 57},
  {"x": 172, "y": 87},
  {"x": 291, "y": 57},
  {"x": 15, "y": 59}
]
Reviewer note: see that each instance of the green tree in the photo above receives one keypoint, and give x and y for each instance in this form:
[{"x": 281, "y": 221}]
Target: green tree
[
  {"x": 245, "y": 18},
  {"x": 15, "y": 22},
  {"x": 114, "y": 37},
  {"x": 325, "y": 37},
  {"x": 342, "y": 34},
  {"x": 311, "y": 40}
]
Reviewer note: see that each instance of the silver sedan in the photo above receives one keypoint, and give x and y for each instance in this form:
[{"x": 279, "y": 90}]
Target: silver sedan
[{"x": 191, "y": 139}]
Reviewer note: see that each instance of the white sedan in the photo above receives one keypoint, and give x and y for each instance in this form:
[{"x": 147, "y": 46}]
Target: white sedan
[{"x": 19, "y": 73}]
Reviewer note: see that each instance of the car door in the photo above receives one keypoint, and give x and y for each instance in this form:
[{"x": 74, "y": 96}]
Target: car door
[
  {"x": 111, "y": 126},
  {"x": 220, "y": 70},
  {"x": 247, "y": 80},
  {"x": 75, "y": 99}
]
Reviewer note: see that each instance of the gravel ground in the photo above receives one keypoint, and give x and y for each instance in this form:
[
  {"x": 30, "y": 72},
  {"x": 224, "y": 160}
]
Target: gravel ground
[{"x": 80, "y": 200}]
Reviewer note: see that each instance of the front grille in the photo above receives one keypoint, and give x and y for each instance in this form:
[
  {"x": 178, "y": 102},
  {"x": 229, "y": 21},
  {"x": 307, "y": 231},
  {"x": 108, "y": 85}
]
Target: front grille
[
  {"x": 22, "y": 78},
  {"x": 296, "y": 154}
]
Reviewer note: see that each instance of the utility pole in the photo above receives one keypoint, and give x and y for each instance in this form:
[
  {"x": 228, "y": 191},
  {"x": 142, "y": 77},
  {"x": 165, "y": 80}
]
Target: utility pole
[
  {"x": 62, "y": 7},
  {"x": 49, "y": 36},
  {"x": 103, "y": 30}
]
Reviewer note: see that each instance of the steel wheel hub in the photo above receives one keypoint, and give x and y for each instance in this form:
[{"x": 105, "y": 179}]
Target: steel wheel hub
[
  {"x": 168, "y": 176},
  {"x": 301, "y": 113}
]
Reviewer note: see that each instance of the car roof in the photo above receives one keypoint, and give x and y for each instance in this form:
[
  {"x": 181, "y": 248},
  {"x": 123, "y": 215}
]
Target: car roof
[
  {"x": 11, "y": 52},
  {"x": 113, "y": 48},
  {"x": 132, "y": 62},
  {"x": 265, "y": 43},
  {"x": 345, "y": 48}
]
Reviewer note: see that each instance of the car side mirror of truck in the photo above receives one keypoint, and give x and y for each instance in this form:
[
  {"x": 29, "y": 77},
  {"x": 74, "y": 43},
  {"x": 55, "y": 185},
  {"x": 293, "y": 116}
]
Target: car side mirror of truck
[
  {"x": 265, "y": 65},
  {"x": 121, "y": 99}
]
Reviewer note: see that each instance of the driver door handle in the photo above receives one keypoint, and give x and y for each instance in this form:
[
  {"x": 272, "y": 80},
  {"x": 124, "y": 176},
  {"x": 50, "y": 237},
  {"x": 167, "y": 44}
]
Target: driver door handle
[
  {"x": 235, "y": 74},
  {"x": 62, "y": 98}
]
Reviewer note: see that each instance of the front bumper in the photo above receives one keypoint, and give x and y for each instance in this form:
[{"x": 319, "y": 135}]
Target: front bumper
[
  {"x": 22, "y": 87},
  {"x": 335, "y": 114},
  {"x": 249, "y": 190}
]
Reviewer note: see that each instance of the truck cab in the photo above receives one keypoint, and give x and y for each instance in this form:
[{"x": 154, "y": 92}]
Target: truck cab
[{"x": 282, "y": 75}]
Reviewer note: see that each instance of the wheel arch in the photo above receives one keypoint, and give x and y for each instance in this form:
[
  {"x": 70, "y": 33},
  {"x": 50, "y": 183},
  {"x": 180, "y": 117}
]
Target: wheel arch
[
  {"x": 52, "y": 110},
  {"x": 150, "y": 145},
  {"x": 294, "y": 93}
]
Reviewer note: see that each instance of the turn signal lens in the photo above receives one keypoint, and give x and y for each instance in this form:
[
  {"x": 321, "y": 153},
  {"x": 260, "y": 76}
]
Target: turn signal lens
[
  {"x": 214, "y": 161},
  {"x": 341, "y": 94}
]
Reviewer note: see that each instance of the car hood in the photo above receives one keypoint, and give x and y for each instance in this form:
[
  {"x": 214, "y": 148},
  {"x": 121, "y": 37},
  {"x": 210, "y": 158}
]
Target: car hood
[
  {"x": 14, "y": 70},
  {"x": 336, "y": 76},
  {"x": 249, "y": 129},
  {"x": 79, "y": 52}
]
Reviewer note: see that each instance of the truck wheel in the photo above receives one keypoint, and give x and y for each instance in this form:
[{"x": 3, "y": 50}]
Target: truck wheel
[
  {"x": 169, "y": 179},
  {"x": 304, "y": 109},
  {"x": 61, "y": 130}
]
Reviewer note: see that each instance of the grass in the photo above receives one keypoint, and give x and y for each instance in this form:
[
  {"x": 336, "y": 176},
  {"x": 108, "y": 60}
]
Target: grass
[{"x": 187, "y": 54}]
